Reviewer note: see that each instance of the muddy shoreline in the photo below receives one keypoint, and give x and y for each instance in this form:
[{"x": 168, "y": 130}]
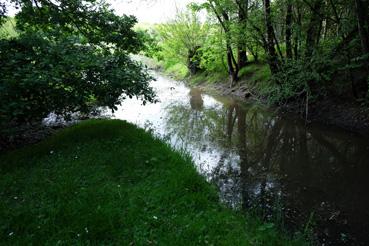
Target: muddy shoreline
[{"x": 348, "y": 116}]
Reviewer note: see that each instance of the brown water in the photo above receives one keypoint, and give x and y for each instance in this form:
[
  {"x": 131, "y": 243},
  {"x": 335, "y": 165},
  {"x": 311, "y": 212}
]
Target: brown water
[{"x": 312, "y": 178}]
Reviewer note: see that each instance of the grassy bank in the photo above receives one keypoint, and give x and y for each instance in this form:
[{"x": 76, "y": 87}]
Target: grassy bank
[
  {"x": 107, "y": 182},
  {"x": 256, "y": 83},
  {"x": 255, "y": 77}
]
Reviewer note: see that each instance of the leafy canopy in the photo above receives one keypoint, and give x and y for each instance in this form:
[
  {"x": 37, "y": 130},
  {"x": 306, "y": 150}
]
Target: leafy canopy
[{"x": 69, "y": 56}]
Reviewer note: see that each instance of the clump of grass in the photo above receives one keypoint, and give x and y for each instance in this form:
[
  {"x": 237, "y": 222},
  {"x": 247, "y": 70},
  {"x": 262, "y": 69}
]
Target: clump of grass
[
  {"x": 106, "y": 182},
  {"x": 262, "y": 74},
  {"x": 255, "y": 73},
  {"x": 257, "y": 76},
  {"x": 198, "y": 79},
  {"x": 209, "y": 78},
  {"x": 178, "y": 71}
]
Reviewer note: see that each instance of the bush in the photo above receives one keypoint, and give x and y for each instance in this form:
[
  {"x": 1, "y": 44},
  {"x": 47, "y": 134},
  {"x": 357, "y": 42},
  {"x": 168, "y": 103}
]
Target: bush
[
  {"x": 296, "y": 78},
  {"x": 40, "y": 75}
]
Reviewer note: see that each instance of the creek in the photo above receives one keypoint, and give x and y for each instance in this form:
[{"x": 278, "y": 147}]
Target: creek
[{"x": 310, "y": 178}]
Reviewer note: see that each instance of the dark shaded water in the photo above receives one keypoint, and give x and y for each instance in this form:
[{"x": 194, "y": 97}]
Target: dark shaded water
[{"x": 311, "y": 178}]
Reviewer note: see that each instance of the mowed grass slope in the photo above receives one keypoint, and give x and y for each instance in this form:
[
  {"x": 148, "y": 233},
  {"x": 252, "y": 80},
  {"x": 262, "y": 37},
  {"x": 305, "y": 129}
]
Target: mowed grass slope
[{"x": 106, "y": 182}]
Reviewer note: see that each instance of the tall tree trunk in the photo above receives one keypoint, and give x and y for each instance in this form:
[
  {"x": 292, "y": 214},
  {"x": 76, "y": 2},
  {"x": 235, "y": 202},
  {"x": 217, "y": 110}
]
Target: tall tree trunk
[
  {"x": 241, "y": 46},
  {"x": 362, "y": 21},
  {"x": 298, "y": 33},
  {"x": 242, "y": 57},
  {"x": 223, "y": 19},
  {"x": 289, "y": 30},
  {"x": 232, "y": 70},
  {"x": 313, "y": 28},
  {"x": 363, "y": 26},
  {"x": 272, "y": 54}
]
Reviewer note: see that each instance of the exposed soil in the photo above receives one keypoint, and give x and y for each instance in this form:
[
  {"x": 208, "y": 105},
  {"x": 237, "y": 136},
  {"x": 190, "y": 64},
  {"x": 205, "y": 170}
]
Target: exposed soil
[
  {"x": 13, "y": 136},
  {"x": 25, "y": 135},
  {"x": 346, "y": 115}
]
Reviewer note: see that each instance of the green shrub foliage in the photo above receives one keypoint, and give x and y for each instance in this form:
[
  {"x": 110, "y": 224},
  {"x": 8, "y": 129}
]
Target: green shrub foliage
[{"x": 69, "y": 56}]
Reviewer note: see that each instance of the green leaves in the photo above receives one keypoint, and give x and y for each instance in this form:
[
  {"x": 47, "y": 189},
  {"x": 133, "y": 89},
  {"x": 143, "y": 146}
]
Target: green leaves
[
  {"x": 64, "y": 76},
  {"x": 70, "y": 56},
  {"x": 94, "y": 20},
  {"x": 181, "y": 37}
]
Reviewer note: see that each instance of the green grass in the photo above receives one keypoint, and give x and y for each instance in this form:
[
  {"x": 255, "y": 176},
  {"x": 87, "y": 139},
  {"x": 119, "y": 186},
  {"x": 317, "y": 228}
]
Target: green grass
[
  {"x": 209, "y": 78},
  {"x": 106, "y": 182},
  {"x": 178, "y": 71},
  {"x": 255, "y": 73}
]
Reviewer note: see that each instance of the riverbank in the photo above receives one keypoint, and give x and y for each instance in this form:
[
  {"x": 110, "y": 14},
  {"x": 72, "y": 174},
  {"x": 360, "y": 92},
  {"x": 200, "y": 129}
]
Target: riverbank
[
  {"x": 255, "y": 84},
  {"x": 350, "y": 116},
  {"x": 108, "y": 182}
]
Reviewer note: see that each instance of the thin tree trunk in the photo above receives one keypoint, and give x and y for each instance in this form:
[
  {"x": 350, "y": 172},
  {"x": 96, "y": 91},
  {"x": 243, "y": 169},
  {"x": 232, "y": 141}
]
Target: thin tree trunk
[
  {"x": 241, "y": 46},
  {"x": 363, "y": 26},
  {"x": 232, "y": 71},
  {"x": 312, "y": 32},
  {"x": 231, "y": 62},
  {"x": 362, "y": 21},
  {"x": 242, "y": 57},
  {"x": 272, "y": 54},
  {"x": 289, "y": 31},
  {"x": 278, "y": 47},
  {"x": 298, "y": 34}
]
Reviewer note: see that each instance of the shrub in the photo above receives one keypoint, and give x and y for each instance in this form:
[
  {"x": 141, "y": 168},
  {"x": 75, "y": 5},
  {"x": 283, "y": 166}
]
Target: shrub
[
  {"x": 40, "y": 75},
  {"x": 297, "y": 78}
]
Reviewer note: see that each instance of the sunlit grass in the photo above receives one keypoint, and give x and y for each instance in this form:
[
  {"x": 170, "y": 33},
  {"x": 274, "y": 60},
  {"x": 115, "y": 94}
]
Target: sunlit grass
[
  {"x": 178, "y": 71},
  {"x": 107, "y": 182}
]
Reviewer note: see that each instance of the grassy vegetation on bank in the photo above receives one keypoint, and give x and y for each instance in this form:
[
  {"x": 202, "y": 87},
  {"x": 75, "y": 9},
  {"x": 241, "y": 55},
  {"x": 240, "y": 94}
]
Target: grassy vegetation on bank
[
  {"x": 107, "y": 182},
  {"x": 255, "y": 76}
]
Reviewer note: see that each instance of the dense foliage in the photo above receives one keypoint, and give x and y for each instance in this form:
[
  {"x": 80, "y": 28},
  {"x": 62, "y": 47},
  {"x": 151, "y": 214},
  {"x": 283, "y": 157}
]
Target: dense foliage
[
  {"x": 314, "y": 49},
  {"x": 68, "y": 56}
]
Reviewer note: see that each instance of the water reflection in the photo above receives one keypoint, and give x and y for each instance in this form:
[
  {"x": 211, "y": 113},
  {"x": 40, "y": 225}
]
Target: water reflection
[
  {"x": 196, "y": 101},
  {"x": 273, "y": 164}
]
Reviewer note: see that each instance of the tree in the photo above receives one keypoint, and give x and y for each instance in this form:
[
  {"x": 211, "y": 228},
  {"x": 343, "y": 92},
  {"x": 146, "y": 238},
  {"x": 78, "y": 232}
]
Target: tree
[
  {"x": 70, "y": 56},
  {"x": 221, "y": 10},
  {"x": 362, "y": 14},
  {"x": 315, "y": 49},
  {"x": 182, "y": 39},
  {"x": 270, "y": 44},
  {"x": 289, "y": 30}
]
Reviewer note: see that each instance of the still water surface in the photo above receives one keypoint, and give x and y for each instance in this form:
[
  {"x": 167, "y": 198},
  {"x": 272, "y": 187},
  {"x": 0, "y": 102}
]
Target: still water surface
[{"x": 313, "y": 177}]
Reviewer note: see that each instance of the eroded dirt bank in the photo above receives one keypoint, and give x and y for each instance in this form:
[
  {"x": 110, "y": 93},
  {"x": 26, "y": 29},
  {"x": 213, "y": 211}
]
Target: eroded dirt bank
[{"x": 349, "y": 116}]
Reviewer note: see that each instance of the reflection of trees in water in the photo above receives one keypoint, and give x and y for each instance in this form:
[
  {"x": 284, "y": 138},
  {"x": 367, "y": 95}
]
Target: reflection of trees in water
[
  {"x": 196, "y": 101},
  {"x": 264, "y": 159},
  {"x": 197, "y": 127},
  {"x": 282, "y": 160},
  {"x": 205, "y": 130}
]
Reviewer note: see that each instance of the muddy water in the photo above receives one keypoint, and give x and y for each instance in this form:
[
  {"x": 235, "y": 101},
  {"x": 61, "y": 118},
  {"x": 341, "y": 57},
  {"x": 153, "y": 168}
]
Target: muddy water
[{"x": 313, "y": 179}]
